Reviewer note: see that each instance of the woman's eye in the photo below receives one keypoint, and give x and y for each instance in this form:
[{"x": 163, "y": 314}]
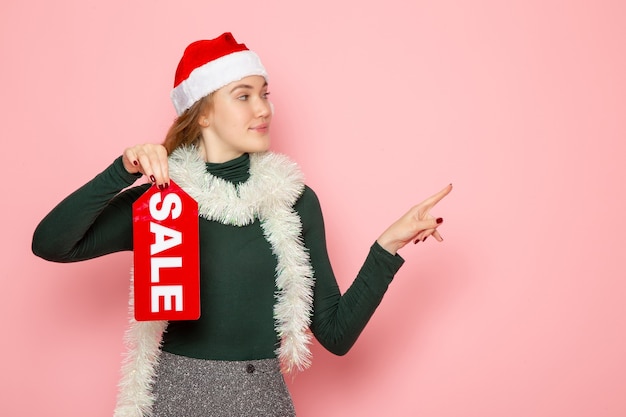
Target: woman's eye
[
  {"x": 243, "y": 97},
  {"x": 265, "y": 95}
]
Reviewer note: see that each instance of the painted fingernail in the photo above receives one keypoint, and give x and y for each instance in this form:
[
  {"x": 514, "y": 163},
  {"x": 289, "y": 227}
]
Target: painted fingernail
[
  {"x": 416, "y": 241},
  {"x": 161, "y": 187},
  {"x": 135, "y": 163},
  {"x": 166, "y": 185},
  {"x": 152, "y": 178},
  {"x": 425, "y": 239},
  {"x": 439, "y": 220}
]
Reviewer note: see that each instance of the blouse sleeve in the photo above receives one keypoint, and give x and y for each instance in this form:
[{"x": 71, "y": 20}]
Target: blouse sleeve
[
  {"x": 93, "y": 221},
  {"x": 339, "y": 319}
]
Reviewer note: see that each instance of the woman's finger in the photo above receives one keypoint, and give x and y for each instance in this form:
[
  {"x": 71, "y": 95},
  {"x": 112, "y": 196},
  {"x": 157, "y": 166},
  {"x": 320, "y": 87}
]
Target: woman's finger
[
  {"x": 421, "y": 236},
  {"x": 149, "y": 159},
  {"x": 154, "y": 168},
  {"x": 435, "y": 198},
  {"x": 129, "y": 159},
  {"x": 426, "y": 228},
  {"x": 158, "y": 164}
]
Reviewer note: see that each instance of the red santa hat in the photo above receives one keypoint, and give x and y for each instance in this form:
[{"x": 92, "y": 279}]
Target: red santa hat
[{"x": 209, "y": 65}]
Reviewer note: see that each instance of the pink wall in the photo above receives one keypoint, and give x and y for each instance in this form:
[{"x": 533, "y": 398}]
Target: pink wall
[{"x": 521, "y": 104}]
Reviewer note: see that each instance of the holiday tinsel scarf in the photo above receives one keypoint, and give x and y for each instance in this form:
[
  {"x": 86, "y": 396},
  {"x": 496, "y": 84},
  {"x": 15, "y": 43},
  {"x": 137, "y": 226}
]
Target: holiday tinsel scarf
[{"x": 274, "y": 186}]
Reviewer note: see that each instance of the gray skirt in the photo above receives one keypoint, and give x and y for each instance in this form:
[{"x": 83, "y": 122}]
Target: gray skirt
[{"x": 188, "y": 387}]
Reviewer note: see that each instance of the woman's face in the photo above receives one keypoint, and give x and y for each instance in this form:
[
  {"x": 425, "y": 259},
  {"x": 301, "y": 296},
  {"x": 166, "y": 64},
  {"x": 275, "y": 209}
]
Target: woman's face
[{"x": 238, "y": 121}]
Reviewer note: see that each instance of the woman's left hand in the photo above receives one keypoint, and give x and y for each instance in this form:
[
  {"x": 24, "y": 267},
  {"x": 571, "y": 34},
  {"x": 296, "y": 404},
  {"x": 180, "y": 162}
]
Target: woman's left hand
[{"x": 416, "y": 225}]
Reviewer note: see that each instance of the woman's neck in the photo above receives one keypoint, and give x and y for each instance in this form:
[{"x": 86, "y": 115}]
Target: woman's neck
[
  {"x": 213, "y": 155},
  {"x": 236, "y": 170}
]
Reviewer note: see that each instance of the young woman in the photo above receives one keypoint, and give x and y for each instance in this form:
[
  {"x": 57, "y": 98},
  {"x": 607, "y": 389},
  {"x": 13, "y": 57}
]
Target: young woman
[{"x": 266, "y": 280}]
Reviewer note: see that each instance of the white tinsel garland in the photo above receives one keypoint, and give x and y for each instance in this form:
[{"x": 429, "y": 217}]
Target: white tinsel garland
[
  {"x": 274, "y": 186},
  {"x": 143, "y": 344}
]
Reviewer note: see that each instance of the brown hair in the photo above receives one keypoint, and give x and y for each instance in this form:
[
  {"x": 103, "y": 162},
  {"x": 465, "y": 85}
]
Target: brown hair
[{"x": 186, "y": 130}]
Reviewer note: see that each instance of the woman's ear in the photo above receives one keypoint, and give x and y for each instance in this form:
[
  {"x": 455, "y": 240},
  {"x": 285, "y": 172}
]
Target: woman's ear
[
  {"x": 204, "y": 120},
  {"x": 205, "y": 113}
]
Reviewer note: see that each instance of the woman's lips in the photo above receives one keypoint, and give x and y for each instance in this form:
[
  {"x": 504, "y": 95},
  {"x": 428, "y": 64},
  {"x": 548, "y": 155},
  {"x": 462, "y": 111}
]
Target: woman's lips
[{"x": 262, "y": 128}]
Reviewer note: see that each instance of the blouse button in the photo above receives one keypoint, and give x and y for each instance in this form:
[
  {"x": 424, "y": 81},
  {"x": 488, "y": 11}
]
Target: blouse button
[{"x": 250, "y": 368}]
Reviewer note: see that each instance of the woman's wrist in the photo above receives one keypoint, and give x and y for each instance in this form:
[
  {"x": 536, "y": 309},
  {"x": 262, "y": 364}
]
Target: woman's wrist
[{"x": 388, "y": 244}]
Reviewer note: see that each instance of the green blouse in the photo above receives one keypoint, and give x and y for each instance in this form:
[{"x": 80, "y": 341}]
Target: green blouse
[{"x": 237, "y": 268}]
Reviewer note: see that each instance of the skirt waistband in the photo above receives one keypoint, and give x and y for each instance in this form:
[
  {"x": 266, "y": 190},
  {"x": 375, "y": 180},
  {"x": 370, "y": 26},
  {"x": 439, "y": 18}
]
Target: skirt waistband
[{"x": 193, "y": 387}]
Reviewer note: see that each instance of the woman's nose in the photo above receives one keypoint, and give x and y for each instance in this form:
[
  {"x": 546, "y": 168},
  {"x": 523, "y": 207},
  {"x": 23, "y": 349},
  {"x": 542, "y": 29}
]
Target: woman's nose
[{"x": 264, "y": 108}]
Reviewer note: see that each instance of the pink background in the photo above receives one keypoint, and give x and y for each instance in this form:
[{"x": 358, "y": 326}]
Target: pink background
[{"x": 520, "y": 104}]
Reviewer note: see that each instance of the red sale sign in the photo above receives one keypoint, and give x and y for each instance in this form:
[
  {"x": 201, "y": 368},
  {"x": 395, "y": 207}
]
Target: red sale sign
[{"x": 166, "y": 254}]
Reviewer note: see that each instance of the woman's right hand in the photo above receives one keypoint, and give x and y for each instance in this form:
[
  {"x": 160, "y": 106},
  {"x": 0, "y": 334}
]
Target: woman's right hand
[{"x": 151, "y": 160}]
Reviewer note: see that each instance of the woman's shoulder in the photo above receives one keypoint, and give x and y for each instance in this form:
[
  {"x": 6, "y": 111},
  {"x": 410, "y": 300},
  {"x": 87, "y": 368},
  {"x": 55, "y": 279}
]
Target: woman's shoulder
[
  {"x": 308, "y": 196},
  {"x": 308, "y": 205}
]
